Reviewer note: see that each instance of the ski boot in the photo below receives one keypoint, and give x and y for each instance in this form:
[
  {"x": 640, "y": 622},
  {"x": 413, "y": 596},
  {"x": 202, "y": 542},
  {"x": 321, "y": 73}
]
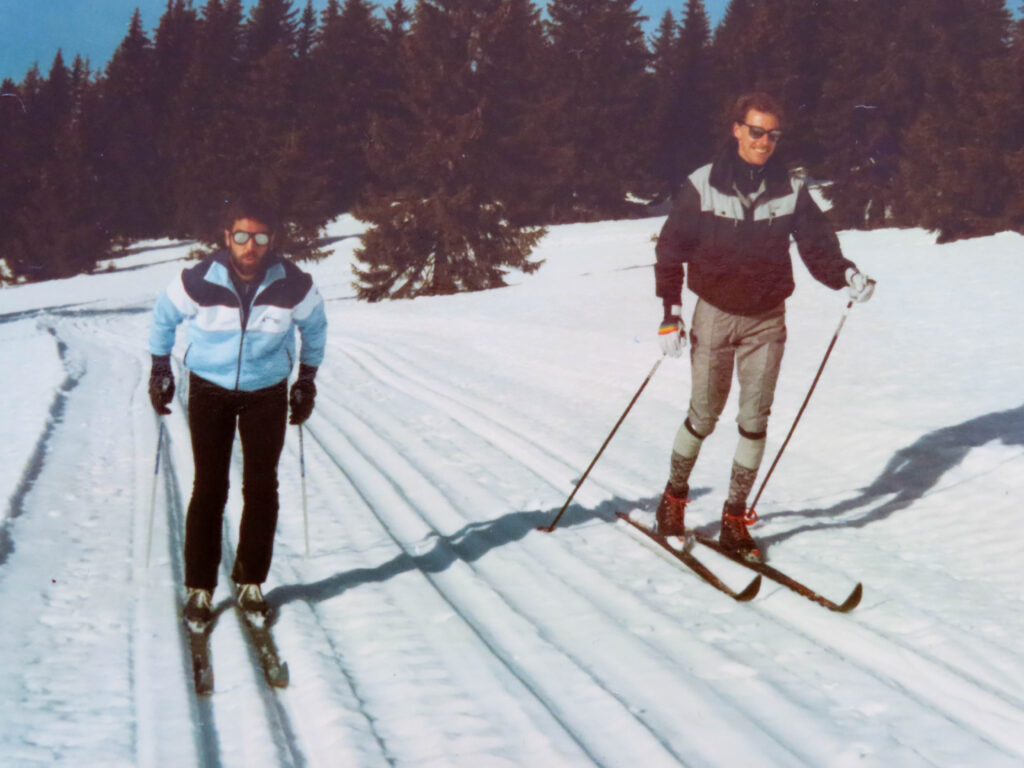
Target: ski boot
[
  {"x": 252, "y": 603},
  {"x": 735, "y": 537},
  {"x": 671, "y": 512},
  {"x": 198, "y": 610}
]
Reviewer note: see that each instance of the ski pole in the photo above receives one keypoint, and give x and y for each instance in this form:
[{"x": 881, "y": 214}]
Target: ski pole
[
  {"x": 302, "y": 472},
  {"x": 550, "y": 528},
  {"x": 800, "y": 413},
  {"x": 152, "y": 497}
]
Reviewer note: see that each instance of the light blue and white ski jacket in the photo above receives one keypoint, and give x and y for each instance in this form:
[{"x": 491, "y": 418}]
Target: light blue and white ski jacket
[{"x": 230, "y": 347}]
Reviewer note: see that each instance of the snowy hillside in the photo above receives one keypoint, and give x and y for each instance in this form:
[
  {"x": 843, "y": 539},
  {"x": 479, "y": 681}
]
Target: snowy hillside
[{"x": 433, "y": 625}]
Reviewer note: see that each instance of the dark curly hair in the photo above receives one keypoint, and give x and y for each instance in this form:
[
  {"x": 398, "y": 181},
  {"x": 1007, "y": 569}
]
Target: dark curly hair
[{"x": 249, "y": 208}]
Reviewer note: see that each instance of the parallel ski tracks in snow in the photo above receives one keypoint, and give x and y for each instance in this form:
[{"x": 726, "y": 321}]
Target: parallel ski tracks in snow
[
  {"x": 615, "y": 677},
  {"x": 554, "y": 465},
  {"x": 653, "y": 668},
  {"x": 220, "y": 733},
  {"x": 980, "y": 706}
]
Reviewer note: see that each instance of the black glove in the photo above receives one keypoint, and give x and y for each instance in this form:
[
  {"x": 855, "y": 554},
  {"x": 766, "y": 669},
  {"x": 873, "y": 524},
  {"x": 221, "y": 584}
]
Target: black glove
[
  {"x": 161, "y": 384},
  {"x": 302, "y": 395}
]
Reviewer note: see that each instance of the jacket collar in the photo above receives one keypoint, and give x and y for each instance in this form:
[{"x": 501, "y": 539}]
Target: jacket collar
[{"x": 723, "y": 173}]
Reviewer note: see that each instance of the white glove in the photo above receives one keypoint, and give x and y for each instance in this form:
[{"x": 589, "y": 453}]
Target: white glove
[
  {"x": 860, "y": 285},
  {"x": 672, "y": 333}
]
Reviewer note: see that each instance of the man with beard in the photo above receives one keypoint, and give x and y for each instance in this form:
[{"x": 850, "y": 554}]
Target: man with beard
[{"x": 243, "y": 305}]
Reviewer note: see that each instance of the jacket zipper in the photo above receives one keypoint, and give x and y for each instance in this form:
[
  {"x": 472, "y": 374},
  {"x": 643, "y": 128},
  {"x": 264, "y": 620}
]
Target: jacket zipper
[
  {"x": 241, "y": 344},
  {"x": 243, "y": 321}
]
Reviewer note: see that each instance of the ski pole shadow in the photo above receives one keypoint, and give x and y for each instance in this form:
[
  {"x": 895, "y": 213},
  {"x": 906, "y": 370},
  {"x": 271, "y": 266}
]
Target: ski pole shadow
[
  {"x": 910, "y": 474},
  {"x": 469, "y": 544}
]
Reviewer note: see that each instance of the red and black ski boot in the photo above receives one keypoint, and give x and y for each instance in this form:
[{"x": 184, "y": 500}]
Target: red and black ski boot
[
  {"x": 735, "y": 537},
  {"x": 672, "y": 512}
]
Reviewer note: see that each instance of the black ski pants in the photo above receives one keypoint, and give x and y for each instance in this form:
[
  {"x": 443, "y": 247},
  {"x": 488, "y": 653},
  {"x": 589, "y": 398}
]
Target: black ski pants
[{"x": 260, "y": 417}]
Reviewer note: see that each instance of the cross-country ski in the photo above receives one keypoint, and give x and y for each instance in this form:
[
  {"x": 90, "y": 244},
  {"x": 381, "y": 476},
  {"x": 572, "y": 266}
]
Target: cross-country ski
[
  {"x": 684, "y": 556},
  {"x": 765, "y": 569},
  {"x": 202, "y": 664}
]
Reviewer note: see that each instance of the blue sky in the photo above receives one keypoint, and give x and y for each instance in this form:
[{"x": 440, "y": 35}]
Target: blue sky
[{"x": 33, "y": 30}]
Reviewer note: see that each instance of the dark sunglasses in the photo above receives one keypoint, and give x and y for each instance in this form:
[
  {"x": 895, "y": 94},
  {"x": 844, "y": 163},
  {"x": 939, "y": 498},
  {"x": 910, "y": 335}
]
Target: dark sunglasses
[
  {"x": 241, "y": 237},
  {"x": 757, "y": 132}
]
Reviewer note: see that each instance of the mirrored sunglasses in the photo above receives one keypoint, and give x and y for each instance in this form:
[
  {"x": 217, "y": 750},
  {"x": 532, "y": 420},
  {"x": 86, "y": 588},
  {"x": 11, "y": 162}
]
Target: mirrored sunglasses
[
  {"x": 241, "y": 237},
  {"x": 757, "y": 132}
]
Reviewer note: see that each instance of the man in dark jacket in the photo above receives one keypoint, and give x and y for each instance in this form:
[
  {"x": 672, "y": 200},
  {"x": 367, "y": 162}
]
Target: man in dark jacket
[
  {"x": 243, "y": 305},
  {"x": 731, "y": 226}
]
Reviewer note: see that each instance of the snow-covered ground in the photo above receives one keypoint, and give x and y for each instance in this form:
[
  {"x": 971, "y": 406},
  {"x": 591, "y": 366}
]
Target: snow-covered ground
[{"x": 432, "y": 624}]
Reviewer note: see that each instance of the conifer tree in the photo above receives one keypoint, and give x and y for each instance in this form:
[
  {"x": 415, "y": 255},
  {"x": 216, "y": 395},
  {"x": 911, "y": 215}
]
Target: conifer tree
[
  {"x": 435, "y": 226},
  {"x": 698, "y": 104},
  {"x": 57, "y": 228},
  {"x": 953, "y": 174},
  {"x": 128, "y": 165},
  {"x": 173, "y": 41},
  {"x": 666, "y": 120},
  {"x": 518, "y": 110},
  {"x": 201, "y": 127},
  {"x": 172, "y": 51},
  {"x": 918, "y": 137},
  {"x": 800, "y": 44},
  {"x": 1014, "y": 123},
  {"x": 599, "y": 67},
  {"x": 305, "y": 39},
  {"x": 350, "y": 66},
  {"x": 864, "y": 108},
  {"x": 734, "y": 50},
  {"x": 272, "y": 23},
  {"x": 272, "y": 137},
  {"x": 391, "y": 79},
  {"x": 15, "y": 160},
  {"x": 398, "y": 19}
]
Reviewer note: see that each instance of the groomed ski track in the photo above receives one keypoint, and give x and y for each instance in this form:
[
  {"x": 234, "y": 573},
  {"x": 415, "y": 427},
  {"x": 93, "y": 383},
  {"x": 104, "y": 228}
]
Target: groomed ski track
[{"x": 431, "y": 623}]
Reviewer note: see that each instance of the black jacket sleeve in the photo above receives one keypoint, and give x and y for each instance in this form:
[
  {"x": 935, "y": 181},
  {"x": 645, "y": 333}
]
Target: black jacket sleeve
[
  {"x": 679, "y": 236},
  {"x": 817, "y": 243}
]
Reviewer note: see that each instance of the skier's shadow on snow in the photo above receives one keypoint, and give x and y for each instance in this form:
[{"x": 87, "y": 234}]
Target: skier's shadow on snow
[
  {"x": 468, "y": 544},
  {"x": 911, "y": 473}
]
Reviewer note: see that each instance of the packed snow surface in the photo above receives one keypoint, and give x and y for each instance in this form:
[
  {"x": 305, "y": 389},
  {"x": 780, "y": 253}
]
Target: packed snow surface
[{"x": 431, "y": 624}]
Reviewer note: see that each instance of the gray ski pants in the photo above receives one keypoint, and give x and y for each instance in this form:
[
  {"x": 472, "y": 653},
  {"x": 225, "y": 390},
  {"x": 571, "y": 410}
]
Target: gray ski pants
[{"x": 720, "y": 341}]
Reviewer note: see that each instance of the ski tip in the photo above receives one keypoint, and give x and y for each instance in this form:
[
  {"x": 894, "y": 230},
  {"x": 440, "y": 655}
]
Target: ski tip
[
  {"x": 853, "y": 600},
  {"x": 751, "y": 590}
]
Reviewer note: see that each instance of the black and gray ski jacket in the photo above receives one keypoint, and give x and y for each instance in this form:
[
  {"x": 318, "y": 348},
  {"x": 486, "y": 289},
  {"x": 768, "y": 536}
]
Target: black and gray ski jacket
[{"x": 737, "y": 246}]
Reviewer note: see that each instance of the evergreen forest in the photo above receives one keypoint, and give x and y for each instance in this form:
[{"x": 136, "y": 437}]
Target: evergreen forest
[{"x": 459, "y": 129}]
